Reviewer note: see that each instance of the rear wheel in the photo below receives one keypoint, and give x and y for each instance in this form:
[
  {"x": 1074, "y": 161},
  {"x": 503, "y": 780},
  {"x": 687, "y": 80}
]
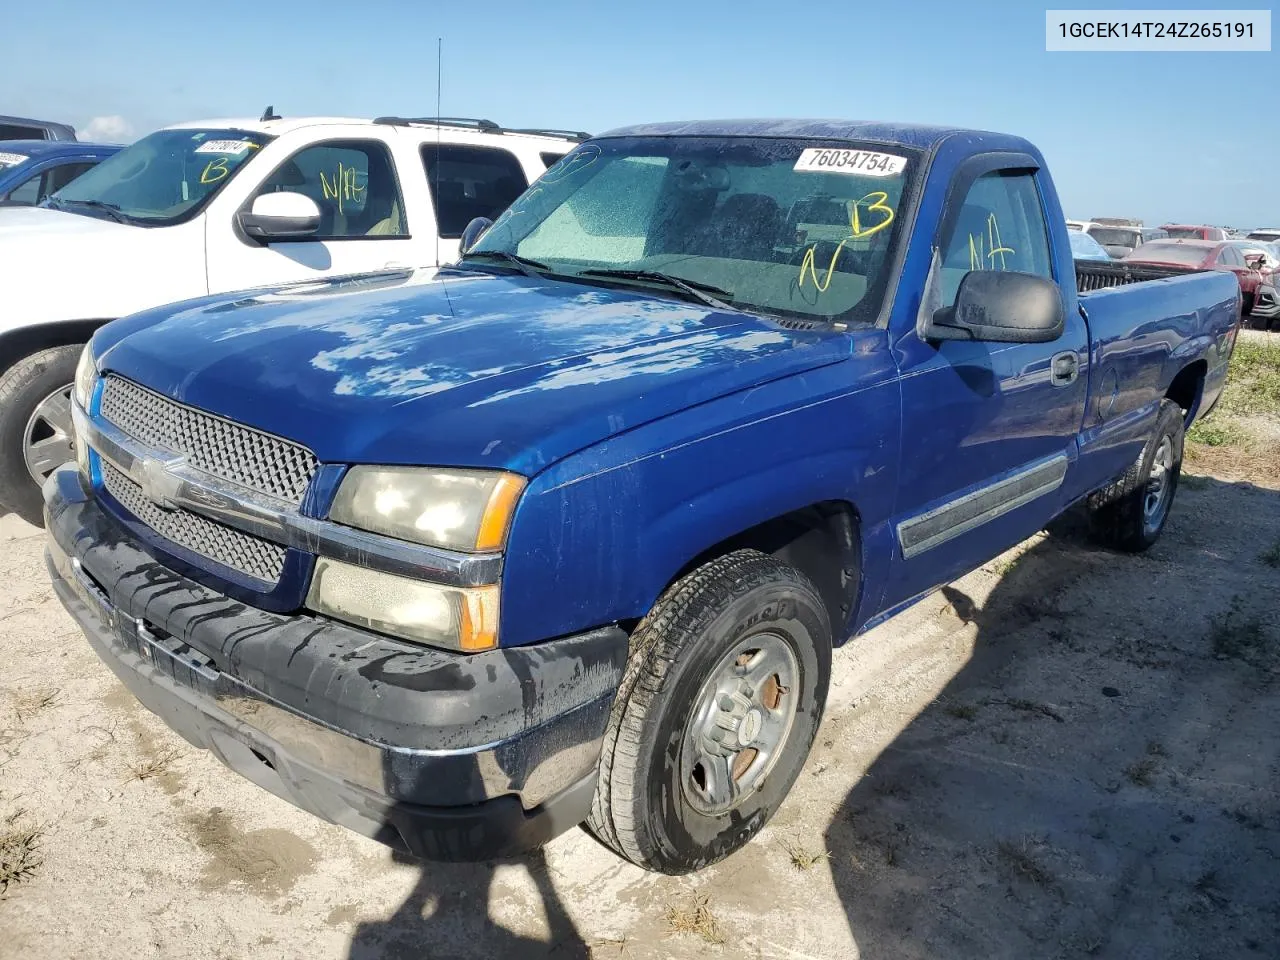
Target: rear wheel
[
  {"x": 35, "y": 426},
  {"x": 716, "y": 713},
  {"x": 1131, "y": 513}
]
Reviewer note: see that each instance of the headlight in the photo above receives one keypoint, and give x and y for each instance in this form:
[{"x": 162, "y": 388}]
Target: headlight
[
  {"x": 86, "y": 374},
  {"x": 459, "y": 618},
  {"x": 457, "y": 509}
]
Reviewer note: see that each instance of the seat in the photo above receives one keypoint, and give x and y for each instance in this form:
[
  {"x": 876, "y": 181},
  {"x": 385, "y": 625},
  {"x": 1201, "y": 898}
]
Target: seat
[{"x": 747, "y": 226}]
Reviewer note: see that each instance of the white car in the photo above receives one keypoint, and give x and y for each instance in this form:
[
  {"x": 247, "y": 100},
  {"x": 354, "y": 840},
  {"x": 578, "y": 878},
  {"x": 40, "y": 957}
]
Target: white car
[{"x": 221, "y": 205}]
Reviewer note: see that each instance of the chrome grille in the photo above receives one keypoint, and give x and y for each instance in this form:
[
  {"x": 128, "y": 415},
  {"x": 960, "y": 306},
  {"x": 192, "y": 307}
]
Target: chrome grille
[
  {"x": 231, "y": 548},
  {"x": 227, "y": 450}
]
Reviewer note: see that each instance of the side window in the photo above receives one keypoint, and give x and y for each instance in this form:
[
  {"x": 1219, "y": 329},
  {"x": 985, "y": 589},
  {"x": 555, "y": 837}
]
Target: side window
[
  {"x": 549, "y": 158},
  {"x": 1001, "y": 226},
  {"x": 469, "y": 182},
  {"x": 27, "y": 192},
  {"x": 11, "y": 131},
  {"x": 352, "y": 182},
  {"x": 60, "y": 176}
]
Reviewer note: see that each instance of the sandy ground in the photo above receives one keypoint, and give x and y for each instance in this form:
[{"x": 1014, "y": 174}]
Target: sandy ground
[{"x": 1067, "y": 753}]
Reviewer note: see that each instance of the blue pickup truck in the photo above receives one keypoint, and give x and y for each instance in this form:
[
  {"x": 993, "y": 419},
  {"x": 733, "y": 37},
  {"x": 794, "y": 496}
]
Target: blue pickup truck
[{"x": 567, "y": 533}]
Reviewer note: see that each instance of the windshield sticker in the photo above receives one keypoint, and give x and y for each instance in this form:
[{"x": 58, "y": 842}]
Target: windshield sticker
[
  {"x": 11, "y": 159},
  {"x": 859, "y": 162},
  {"x": 233, "y": 147},
  {"x": 875, "y": 203}
]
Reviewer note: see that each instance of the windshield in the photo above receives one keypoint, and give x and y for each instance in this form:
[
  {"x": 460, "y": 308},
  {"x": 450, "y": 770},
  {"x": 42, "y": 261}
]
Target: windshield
[
  {"x": 163, "y": 178},
  {"x": 1116, "y": 237},
  {"x": 1084, "y": 245},
  {"x": 776, "y": 225},
  {"x": 1169, "y": 253}
]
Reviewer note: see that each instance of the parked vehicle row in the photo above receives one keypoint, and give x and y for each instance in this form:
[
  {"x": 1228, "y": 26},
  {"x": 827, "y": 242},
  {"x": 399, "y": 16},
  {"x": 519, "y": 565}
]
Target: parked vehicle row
[
  {"x": 566, "y": 532},
  {"x": 1253, "y": 263},
  {"x": 205, "y": 208},
  {"x": 31, "y": 171}
]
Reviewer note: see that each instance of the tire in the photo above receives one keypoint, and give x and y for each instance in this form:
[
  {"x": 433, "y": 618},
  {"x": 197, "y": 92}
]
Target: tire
[
  {"x": 24, "y": 387},
  {"x": 651, "y": 806},
  {"x": 1119, "y": 512}
]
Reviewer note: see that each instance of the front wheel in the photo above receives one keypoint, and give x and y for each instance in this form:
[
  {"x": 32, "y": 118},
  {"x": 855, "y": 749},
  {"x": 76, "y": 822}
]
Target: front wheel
[
  {"x": 721, "y": 699},
  {"x": 1131, "y": 513},
  {"x": 35, "y": 426}
]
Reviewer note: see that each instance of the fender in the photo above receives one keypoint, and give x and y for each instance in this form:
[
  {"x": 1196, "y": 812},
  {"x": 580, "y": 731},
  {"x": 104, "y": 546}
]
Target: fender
[
  {"x": 23, "y": 341},
  {"x": 606, "y": 530}
]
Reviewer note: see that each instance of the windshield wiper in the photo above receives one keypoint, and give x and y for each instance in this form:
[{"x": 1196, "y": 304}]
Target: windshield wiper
[
  {"x": 110, "y": 209},
  {"x": 702, "y": 292},
  {"x": 525, "y": 265}
]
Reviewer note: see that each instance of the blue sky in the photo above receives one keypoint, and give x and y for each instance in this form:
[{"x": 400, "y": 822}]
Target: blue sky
[{"x": 1183, "y": 136}]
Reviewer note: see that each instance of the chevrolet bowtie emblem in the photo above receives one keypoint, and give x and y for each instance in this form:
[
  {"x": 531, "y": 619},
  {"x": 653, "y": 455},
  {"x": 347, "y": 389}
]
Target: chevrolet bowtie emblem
[{"x": 158, "y": 482}]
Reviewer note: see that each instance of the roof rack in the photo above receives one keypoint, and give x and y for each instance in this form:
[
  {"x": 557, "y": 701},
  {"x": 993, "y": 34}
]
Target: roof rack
[
  {"x": 551, "y": 132},
  {"x": 485, "y": 126}
]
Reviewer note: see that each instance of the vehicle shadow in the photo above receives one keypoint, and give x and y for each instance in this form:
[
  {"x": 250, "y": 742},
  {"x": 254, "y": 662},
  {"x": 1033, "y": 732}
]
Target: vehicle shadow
[
  {"x": 447, "y": 916},
  {"x": 1099, "y": 777}
]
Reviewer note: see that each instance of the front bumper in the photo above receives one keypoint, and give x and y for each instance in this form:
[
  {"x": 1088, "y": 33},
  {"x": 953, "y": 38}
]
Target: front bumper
[
  {"x": 448, "y": 756},
  {"x": 1266, "y": 305}
]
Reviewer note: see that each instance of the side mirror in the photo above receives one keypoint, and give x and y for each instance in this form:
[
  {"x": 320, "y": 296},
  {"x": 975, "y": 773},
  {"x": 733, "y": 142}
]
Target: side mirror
[
  {"x": 472, "y": 232},
  {"x": 280, "y": 216},
  {"x": 1001, "y": 306}
]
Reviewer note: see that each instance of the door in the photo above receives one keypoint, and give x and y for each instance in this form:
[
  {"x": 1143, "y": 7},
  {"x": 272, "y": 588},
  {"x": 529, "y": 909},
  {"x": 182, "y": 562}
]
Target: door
[
  {"x": 988, "y": 428},
  {"x": 466, "y": 182},
  {"x": 363, "y": 222}
]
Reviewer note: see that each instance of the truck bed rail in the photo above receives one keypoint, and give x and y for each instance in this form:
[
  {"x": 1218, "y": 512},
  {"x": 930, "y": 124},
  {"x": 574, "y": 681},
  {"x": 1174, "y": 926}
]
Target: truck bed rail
[{"x": 1095, "y": 275}]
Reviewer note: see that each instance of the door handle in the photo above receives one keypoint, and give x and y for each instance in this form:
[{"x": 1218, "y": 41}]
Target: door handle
[{"x": 1063, "y": 369}]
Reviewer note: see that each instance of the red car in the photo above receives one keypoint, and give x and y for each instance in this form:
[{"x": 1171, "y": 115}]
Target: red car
[
  {"x": 1187, "y": 231},
  {"x": 1203, "y": 255}
]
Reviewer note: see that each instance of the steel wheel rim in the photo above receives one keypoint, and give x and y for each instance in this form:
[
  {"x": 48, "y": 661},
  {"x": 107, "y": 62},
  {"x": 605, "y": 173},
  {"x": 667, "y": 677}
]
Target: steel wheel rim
[
  {"x": 47, "y": 441},
  {"x": 1159, "y": 484},
  {"x": 740, "y": 724}
]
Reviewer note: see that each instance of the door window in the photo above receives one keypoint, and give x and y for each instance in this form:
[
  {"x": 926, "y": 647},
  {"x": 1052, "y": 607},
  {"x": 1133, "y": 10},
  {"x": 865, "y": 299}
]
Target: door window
[
  {"x": 60, "y": 176},
  {"x": 353, "y": 183},
  {"x": 27, "y": 192},
  {"x": 469, "y": 182},
  {"x": 1001, "y": 226}
]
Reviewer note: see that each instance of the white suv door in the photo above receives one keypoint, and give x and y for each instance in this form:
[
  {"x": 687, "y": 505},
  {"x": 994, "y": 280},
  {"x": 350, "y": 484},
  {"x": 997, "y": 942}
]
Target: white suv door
[{"x": 364, "y": 224}]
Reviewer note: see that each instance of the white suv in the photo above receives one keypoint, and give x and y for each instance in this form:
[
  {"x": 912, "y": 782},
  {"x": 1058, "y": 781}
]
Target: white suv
[{"x": 203, "y": 208}]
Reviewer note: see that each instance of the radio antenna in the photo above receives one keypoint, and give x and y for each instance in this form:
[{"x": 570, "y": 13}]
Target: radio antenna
[{"x": 436, "y": 189}]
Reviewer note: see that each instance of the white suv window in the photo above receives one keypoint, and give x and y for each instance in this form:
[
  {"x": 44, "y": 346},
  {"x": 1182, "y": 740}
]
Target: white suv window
[
  {"x": 353, "y": 183},
  {"x": 468, "y": 182}
]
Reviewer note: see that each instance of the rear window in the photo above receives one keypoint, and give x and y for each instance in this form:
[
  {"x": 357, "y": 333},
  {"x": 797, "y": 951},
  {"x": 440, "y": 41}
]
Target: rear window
[
  {"x": 1186, "y": 233},
  {"x": 1169, "y": 253},
  {"x": 469, "y": 182},
  {"x": 1113, "y": 236}
]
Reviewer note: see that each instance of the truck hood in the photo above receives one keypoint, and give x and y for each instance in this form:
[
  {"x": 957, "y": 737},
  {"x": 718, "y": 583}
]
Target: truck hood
[
  {"x": 67, "y": 266},
  {"x": 22, "y": 224},
  {"x": 463, "y": 369}
]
